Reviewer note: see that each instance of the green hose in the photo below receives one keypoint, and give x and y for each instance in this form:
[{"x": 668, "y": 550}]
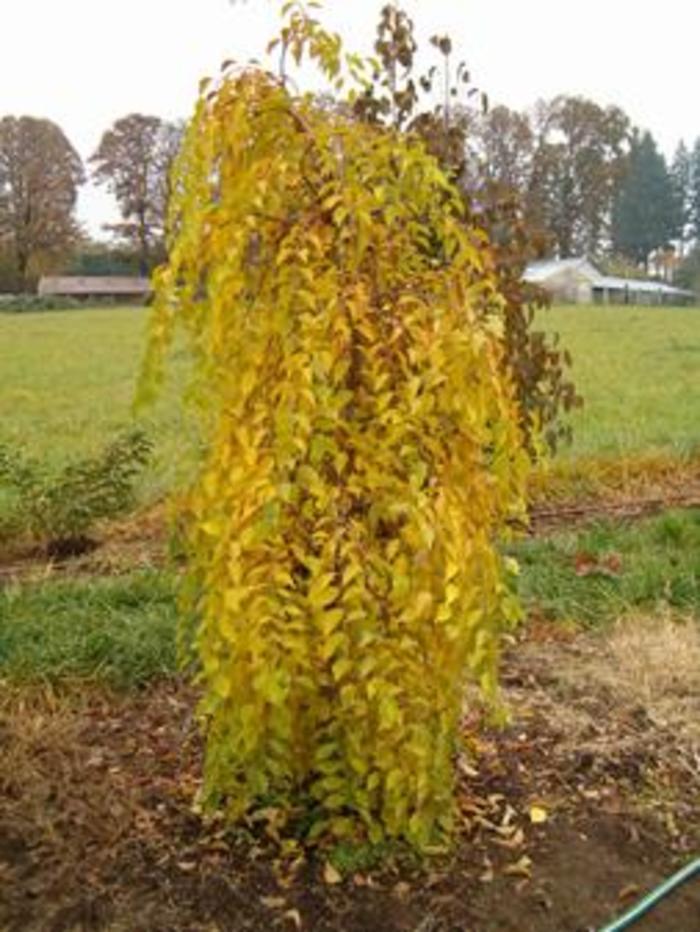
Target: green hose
[{"x": 650, "y": 901}]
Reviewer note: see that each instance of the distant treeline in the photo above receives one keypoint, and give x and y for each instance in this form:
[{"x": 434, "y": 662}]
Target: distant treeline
[
  {"x": 594, "y": 184},
  {"x": 585, "y": 179}
]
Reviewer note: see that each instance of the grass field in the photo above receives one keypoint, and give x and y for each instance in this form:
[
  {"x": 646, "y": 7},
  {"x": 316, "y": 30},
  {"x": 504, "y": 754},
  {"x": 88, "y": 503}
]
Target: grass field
[
  {"x": 67, "y": 384},
  {"x": 67, "y": 380},
  {"x": 638, "y": 370}
]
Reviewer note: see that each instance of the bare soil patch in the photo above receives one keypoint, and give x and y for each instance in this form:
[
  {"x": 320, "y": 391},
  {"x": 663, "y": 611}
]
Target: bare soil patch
[
  {"x": 586, "y": 800},
  {"x": 577, "y": 493},
  {"x": 137, "y": 542}
]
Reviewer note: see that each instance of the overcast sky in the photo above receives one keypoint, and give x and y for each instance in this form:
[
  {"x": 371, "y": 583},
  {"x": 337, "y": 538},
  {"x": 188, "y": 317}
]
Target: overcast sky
[{"x": 84, "y": 63}]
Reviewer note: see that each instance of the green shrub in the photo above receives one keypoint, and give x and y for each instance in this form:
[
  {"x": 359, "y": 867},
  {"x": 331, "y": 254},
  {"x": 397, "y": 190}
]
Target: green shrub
[
  {"x": 32, "y": 303},
  {"x": 20, "y": 303},
  {"x": 60, "y": 509}
]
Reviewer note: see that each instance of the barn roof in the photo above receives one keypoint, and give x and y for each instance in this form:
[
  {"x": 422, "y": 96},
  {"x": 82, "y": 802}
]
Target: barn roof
[
  {"x": 543, "y": 270},
  {"x": 93, "y": 285},
  {"x": 540, "y": 272},
  {"x": 637, "y": 284}
]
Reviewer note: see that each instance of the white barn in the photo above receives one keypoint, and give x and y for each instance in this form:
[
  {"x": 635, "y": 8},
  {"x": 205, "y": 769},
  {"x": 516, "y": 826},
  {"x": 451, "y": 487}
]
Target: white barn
[{"x": 578, "y": 281}]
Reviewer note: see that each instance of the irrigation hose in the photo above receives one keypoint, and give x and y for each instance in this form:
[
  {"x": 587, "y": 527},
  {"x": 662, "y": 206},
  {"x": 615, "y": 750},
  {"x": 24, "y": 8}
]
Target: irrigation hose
[{"x": 655, "y": 897}]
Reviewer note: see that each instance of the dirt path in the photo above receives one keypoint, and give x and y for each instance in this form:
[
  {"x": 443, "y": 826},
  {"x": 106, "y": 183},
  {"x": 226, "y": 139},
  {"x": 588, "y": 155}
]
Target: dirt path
[
  {"x": 97, "y": 829},
  {"x": 548, "y": 518}
]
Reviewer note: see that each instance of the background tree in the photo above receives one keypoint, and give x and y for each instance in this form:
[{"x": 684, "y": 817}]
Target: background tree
[
  {"x": 504, "y": 147},
  {"x": 96, "y": 257},
  {"x": 694, "y": 196},
  {"x": 40, "y": 173},
  {"x": 681, "y": 183},
  {"x": 578, "y": 163},
  {"x": 133, "y": 160},
  {"x": 688, "y": 273},
  {"x": 645, "y": 210}
]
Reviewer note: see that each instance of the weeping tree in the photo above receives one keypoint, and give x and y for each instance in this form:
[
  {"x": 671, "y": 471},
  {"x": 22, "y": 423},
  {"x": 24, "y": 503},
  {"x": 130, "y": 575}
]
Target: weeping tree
[{"x": 363, "y": 453}]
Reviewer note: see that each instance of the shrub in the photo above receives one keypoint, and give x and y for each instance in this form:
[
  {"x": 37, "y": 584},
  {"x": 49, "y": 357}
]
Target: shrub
[
  {"x": 364, "y": 454},
  {"x": 32, "y": 303},
  {"x": 61, "y": 509},
  {"x": 21, "y": 303}
]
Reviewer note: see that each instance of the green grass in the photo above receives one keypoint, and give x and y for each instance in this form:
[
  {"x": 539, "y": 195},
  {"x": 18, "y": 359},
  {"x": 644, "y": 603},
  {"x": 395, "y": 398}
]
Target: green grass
[
  {"x": 638, "y": 369},
  {"x": 660, "y": 569},
  {"x": 117, "y": 631},
  {"x": 121, "y": 631},
  {"x": 67, "y": 383}
]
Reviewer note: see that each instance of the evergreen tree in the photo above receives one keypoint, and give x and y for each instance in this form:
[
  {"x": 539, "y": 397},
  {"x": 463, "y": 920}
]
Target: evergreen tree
[
  {"x": 694, "y": 194},
  {"x": 644, "y": 214},
  {"x": 682, "y": 190}
]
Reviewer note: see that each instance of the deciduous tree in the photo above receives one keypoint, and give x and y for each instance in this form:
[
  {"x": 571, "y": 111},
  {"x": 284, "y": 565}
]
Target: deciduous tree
[
  {"x": 577, "y": 167},
  {"x": 40, "y": 173},
  {"x": 504, "y": 142},
  {"x": 363, "y": 455},
  {"x": 133, "y": 160}
]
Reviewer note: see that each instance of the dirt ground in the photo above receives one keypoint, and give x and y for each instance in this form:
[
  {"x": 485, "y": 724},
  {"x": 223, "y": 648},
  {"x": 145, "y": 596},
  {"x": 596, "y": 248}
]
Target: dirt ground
[{"x": 589, "y": 798}]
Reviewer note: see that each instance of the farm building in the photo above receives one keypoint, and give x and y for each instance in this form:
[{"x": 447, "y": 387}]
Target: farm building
[
  {"x": 114, "y": 287},
  {"x": 578, "y": 281}
]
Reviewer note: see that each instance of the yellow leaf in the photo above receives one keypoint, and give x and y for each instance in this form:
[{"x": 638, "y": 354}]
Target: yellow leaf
[
  {"x": 538, "y": 815},
  {"x": 521, "y": 868},
  {"x": 222, "y": 685}
]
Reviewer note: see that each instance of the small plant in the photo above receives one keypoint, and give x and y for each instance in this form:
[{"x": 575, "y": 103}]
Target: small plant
[{"x": 60, "y": 509}]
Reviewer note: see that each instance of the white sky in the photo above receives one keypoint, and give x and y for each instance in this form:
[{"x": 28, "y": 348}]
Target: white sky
[{"x": 84, "y": 63}]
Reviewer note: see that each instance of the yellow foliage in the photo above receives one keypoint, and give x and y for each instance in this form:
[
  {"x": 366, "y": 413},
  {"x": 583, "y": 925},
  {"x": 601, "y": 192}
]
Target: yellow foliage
[{"x": 362, "y": 456}]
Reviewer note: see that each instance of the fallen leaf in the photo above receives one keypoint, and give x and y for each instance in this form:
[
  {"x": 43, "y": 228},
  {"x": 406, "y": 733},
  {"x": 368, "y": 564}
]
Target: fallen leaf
[
  {"x": 588, "y": 564},
  {"x": 331, "y": 875},
  {"x": 613, "y": 563},
  {"x": 273, "y": 902},
  {"x": 508, "y": 816},
  {"x": 632, "y": 889},
  {"x": 516, "y": 840},
  {"x": 585, "y": 563},
  {"x": 294, "y": 916},
  {"x": 538, "y": 815},
  {"x": 487, "y": 876},
  {"x": 520, "y": 868}
]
